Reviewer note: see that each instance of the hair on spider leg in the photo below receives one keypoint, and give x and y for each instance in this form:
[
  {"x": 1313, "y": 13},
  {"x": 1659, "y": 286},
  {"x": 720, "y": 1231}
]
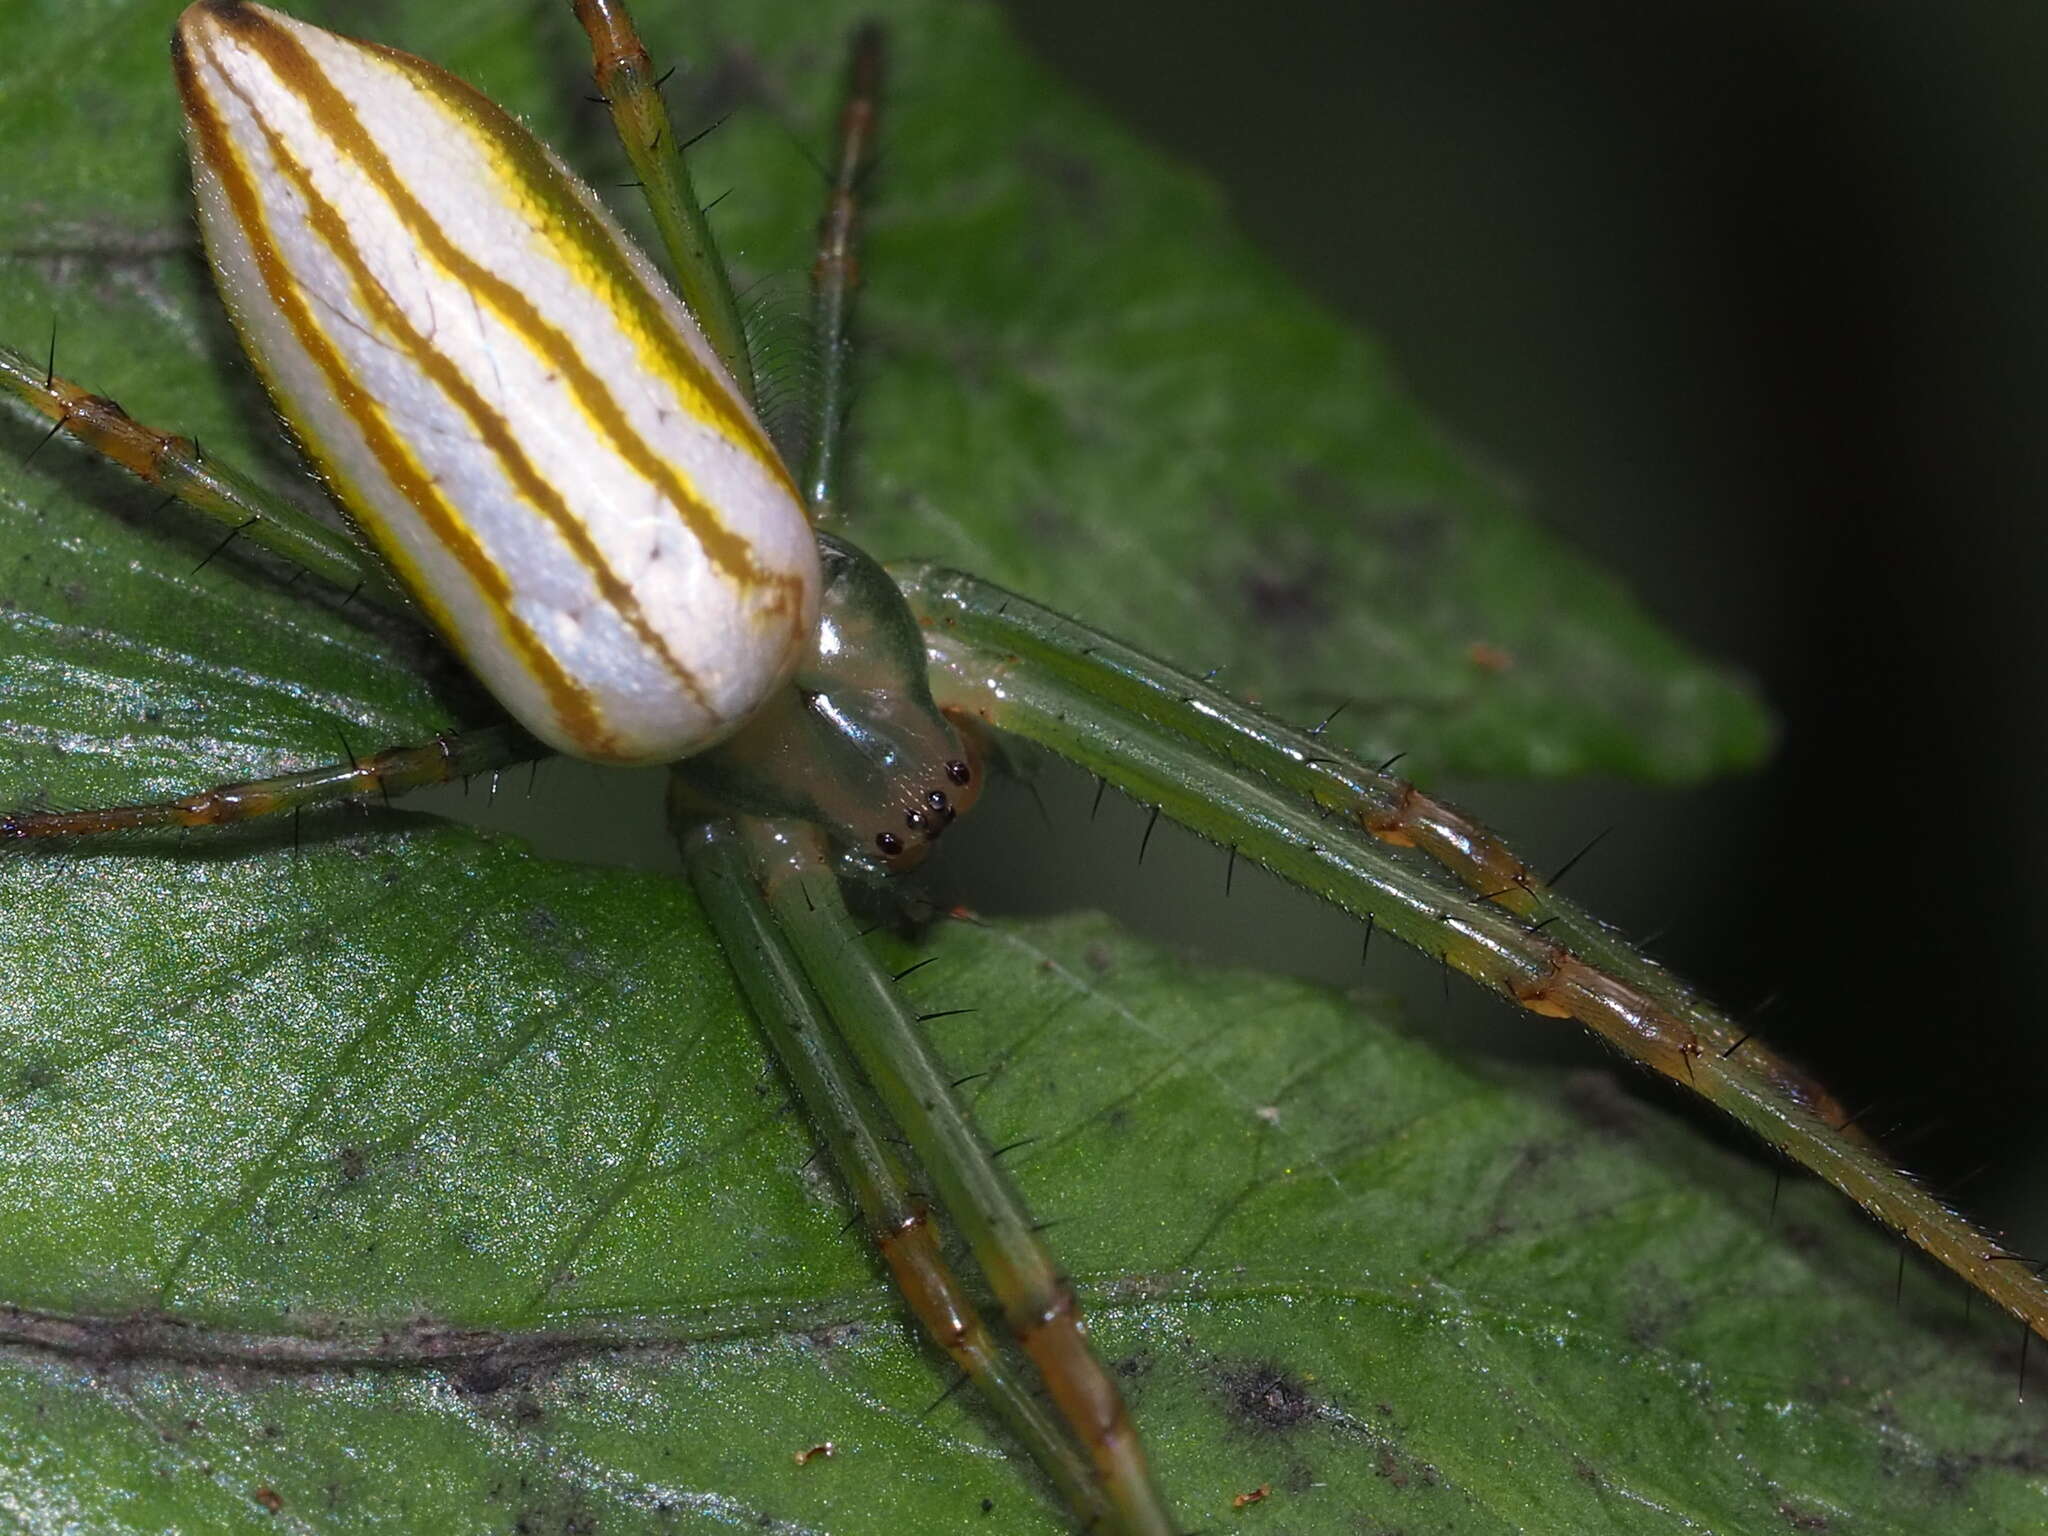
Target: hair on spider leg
[
  {"x": 1853, "y": 1119},
  {"x": 62, "y": 421},
  {"x": 959, "y": 1381},
  {"x": 1569, "y": 864},
  {"x": 787, "y": 366},
  {"x": 1145, "y": 842},
  {"x": 226, "y": 539},
  {"x": 691, "y": 141},
  {"x": 2037, "y": 1265},
  {"x": 1324, "y": 724}
]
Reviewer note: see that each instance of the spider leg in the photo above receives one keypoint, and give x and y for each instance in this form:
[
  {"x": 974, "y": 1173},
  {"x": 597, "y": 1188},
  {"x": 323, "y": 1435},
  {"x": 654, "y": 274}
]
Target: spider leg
[
  {"x": 801, "y": 890},
  {"x": 835, "y": 273},
  {"x": 214, "y": 489},
  {"x": 855, "y": 1131},
  {"x": 1381, "y": 849},
  {"x": 383, "y": 774},
  {"x": 632, "y": 92}
]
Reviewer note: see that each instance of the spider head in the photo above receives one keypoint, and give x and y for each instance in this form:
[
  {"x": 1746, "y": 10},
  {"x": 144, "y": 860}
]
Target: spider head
[
  {"x": 924, "y": 800},
  {"x": 856, "y": 744}
]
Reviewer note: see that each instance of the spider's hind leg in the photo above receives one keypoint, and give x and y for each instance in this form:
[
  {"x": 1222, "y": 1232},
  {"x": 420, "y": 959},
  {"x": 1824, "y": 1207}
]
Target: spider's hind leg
[
  {"x": 378, "y": 776},
  {"x": 213, "y": 489}
]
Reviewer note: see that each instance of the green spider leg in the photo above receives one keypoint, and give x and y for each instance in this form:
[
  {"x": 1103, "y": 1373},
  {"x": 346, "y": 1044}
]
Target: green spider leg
[
  {"x": 757, "y": 877},
  {"x": 836, "y": 273},
  {"x": 801, "y": 1032},
  {"x": 1379, "y": 848},
  {"x": 800, "y": 886}
]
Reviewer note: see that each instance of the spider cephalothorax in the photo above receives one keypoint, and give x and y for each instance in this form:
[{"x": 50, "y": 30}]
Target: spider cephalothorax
[{"x": 855, "y": 744}]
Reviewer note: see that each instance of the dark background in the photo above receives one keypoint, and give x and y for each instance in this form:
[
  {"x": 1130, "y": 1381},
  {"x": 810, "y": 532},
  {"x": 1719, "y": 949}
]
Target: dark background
[{"x": 1747, "y": 298}]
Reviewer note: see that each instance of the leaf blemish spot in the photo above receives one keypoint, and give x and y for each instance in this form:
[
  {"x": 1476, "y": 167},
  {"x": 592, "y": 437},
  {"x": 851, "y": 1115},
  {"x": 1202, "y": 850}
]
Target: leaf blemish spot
[{"x": 1264, "y": 1397}]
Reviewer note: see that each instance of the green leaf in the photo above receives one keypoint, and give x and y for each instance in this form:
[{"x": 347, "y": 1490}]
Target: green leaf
[
  {"x": 528, "y": 1193},
  {"x": 403, "y": 1178}
]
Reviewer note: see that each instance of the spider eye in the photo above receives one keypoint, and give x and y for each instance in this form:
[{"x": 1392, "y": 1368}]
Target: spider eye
[
  {"x": 889, "y": 843},
  {"x": 958, "y": 771},
  {"x": 914, "y": 820}
]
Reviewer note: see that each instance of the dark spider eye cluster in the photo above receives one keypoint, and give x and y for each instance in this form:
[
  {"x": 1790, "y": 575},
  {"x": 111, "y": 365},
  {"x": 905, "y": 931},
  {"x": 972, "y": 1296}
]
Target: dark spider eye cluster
[{"x": 931, "y": 817}]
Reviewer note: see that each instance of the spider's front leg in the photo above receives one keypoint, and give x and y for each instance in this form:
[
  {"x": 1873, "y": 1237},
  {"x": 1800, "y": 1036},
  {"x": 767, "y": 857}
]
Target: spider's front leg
[
  {"x": 726, "y": 868},
  {"x": 1397, "y": 859},
  {"x": 1038, "y": 1303}
]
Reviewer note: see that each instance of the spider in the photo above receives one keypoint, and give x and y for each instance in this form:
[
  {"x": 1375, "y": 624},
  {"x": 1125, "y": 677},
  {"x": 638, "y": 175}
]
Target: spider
[{"x": 431, "y": 1007}]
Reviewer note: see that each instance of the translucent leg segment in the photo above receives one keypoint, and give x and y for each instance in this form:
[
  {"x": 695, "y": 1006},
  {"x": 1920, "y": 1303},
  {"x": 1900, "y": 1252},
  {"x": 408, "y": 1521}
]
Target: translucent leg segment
[
  {"x": 1038, "y": 1305},
  {"x": 627, "y": 82},
  {"x": 835, "y": 273},
  {"x": 385, "y": 774},
  {"x": 215, "y": 490},
  {"x": 855, "y": 1134},
  {"x": 1352, "y": 835}
]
